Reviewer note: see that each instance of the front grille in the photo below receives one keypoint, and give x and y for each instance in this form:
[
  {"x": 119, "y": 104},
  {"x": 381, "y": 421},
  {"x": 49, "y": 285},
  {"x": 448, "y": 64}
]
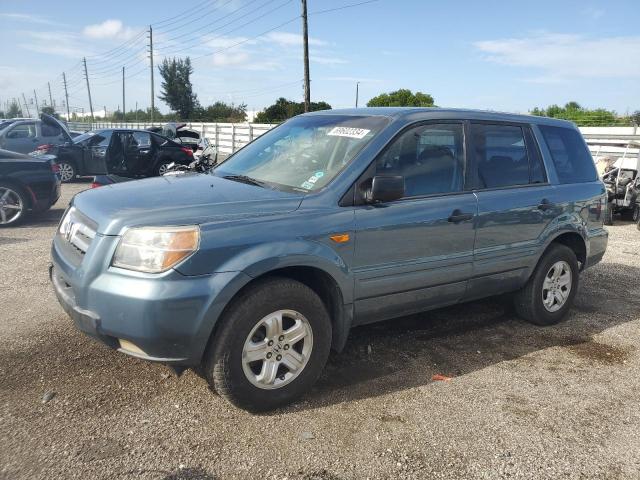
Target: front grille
[{"x": 77, "y": 230}]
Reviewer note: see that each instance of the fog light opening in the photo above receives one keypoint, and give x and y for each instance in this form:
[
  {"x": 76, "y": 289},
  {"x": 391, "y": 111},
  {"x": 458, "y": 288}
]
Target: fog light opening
[{"x": 130, "y": 347}]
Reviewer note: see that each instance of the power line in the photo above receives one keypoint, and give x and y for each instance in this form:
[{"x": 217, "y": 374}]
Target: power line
[
  {"x": 181, "y": 14},
  {"x": 343, "y": 7},
  {"x": 191, "y": 32},
  {"x": 188, "y": 47},
  {"x": 189, "y": 22}
]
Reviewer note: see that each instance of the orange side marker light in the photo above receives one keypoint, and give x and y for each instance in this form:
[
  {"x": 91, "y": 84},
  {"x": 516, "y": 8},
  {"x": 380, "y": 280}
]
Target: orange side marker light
[{"x": 340, "y": 237}]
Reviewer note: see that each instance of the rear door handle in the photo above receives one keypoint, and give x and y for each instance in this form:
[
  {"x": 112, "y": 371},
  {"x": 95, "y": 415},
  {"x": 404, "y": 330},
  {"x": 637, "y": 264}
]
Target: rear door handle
[
  {"x": 458, "y": 216},
  {"x": 545, "y": 205}
]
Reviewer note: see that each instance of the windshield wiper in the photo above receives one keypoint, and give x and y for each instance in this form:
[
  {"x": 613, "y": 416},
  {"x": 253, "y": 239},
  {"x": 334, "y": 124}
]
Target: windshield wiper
[{"x": 245, "y": 179}]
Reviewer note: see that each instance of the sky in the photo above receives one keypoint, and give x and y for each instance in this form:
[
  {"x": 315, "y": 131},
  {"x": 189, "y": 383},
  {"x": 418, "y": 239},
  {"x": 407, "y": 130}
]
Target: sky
[{"x": 503, "y": 55}]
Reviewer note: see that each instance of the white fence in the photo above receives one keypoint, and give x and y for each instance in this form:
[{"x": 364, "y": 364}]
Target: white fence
[
  {"x": 227, "y": 137},
  {"x": 612, "y": 141}
]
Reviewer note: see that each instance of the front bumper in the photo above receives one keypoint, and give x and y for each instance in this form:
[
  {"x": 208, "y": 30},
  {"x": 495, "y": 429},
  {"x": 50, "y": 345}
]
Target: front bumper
[{"x": 168, "y": 317}]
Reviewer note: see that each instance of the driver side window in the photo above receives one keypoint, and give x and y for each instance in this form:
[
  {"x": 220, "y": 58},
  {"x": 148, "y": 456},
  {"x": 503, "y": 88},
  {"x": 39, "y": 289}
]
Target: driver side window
[{"x": 429, "y": 157}]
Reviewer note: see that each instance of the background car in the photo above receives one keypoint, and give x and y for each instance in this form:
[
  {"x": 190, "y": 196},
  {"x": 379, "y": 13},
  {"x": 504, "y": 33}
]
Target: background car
[
  {"x": 27, "y": 184},
  {"x": 128, "y": 153},
  {"x": 179, "y": 133},
  {"x": 28, "y": 134}
]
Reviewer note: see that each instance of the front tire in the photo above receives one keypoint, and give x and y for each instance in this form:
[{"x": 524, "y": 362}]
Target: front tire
[
  {"x": 549, "y": 292},
  {"x": 271, "y": 346},
  {"x": 636, "y": 213},
  {"x": 67, "y": 171}
]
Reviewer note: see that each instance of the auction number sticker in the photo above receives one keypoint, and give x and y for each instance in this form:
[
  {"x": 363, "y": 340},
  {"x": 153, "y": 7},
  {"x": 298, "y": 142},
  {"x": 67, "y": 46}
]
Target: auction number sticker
[{"x": 350, "y": 132}]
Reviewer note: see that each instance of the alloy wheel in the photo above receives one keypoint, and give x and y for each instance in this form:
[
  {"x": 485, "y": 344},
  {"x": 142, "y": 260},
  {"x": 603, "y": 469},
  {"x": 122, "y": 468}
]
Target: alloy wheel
[
  {"x": 162, "y": 169},
  {"x": 66, "y": 172},
  {"x": 277, "y": 349},
  {"x": 11, "y": 206},
  {"x": 556, "y": 286}
]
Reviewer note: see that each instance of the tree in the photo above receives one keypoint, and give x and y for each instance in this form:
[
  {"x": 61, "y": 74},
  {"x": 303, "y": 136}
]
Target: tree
[
  {"x": 581, "y": 116},
  {"x": 48, "y": 110},
  {"x": 402, "y": 98},
  {"x": 635, "y": 118},
  {"x": 223, "y": 112},
  {"x": 14, "y": 110},
  {"x": 177, "y": 90},
  {"x": 284, "y": 109}
]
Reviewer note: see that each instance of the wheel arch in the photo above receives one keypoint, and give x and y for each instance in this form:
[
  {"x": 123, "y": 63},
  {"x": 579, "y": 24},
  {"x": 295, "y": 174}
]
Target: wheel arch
[
  {"x": 321, "y": 281},
  {"x": 23, "y": 187},
  {"x": 575, "y": 241}
]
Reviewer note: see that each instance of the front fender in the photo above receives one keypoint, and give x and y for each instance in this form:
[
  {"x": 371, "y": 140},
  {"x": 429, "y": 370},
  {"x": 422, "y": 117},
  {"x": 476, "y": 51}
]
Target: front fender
[{"x": 267, "y": 257}]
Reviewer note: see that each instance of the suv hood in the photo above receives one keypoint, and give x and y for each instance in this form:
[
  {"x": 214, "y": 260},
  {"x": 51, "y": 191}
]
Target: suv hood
[
  {"x": 192, "y": 198},
  {"x": 54, "y": 122}
]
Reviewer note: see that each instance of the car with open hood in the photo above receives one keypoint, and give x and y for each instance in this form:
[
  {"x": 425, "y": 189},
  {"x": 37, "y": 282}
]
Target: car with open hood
[
  {"x": 30, "y": 134},
  {"x": 254, "y": 271}
]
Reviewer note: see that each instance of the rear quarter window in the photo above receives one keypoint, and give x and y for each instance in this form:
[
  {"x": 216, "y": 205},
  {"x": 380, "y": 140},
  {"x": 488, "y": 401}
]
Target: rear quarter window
[{"x": 570, "y": 155}]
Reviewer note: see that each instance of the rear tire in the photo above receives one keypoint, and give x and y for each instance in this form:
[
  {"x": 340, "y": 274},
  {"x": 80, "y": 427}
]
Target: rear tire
[
  {"x": 608, "y": 215},
  {"x": 249, "y": 329},
  {"x": 161, "y": 169},
  {"x": 14, "y": 204},
  {"x": 547, "y": 297}
]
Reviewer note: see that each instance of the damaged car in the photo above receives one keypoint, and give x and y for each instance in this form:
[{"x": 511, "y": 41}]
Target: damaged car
[{"x": 128, "y": 153}]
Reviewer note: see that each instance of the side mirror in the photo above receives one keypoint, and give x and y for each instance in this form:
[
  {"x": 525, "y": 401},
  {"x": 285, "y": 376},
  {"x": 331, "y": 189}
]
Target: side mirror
[{"x": 386, "y": 188}]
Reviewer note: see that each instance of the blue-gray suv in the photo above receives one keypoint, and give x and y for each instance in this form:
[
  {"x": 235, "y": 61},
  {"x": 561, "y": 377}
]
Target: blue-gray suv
[{"x": 256, "y": 270}]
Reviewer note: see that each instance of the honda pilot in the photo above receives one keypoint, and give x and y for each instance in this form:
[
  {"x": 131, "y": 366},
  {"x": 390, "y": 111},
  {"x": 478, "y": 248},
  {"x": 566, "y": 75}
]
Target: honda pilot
[{"x": 255, "y": 270}]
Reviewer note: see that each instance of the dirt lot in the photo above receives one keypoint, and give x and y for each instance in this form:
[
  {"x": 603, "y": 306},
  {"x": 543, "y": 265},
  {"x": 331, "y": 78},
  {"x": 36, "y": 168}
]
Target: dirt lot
[{"x": 524, "y": 401}]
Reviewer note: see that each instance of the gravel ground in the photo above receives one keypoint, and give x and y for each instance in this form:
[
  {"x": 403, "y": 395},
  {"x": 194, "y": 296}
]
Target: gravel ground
[{"x": 523, "y": 401}]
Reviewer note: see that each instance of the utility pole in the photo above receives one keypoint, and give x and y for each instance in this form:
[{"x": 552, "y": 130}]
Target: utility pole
[
  {"x": 86, "y": 76},
  {"x": 136, "y": 112},
  {"x": 151, "y": 63},
  {"x": 305, "y": 37},
  {"x": 37, "y": 107},
  {"x": 357, "y": 91},
  {"x": 66, "y": 96},
  {"x": 50, "y": 97},
  {"x": 25, "y": 105},
  {"x": 124, "y": 110}
]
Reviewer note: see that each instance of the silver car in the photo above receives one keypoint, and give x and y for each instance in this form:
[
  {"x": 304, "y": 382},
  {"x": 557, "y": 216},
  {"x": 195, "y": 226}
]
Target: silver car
[{"x": 27, "y": 134}]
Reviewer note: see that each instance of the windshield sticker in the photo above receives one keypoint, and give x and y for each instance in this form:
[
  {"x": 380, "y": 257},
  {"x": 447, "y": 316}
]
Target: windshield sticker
[
  {"x": 308, "y": 184},
  {"x": 349, "y": 132}
]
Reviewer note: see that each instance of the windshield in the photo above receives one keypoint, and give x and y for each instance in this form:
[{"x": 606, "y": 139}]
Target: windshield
[
  {"x": 5, "y": 124},
  {"x": 305, "y": 153}
]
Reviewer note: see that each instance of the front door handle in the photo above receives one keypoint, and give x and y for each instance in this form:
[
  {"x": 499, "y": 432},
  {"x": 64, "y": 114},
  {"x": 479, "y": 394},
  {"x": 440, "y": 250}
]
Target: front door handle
[
  {"x": 458, "y": 216},
  {"x": 545, "y": 205}
]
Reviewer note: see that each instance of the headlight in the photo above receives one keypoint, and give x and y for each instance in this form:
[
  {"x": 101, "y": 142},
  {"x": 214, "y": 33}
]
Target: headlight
[
  {"x": 66, "y": 222},
  {"x": 155, "y": 249}
]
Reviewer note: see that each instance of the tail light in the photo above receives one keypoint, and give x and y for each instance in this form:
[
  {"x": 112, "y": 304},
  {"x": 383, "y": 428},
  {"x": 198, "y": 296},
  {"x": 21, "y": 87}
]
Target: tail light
[
  {"x": 188, "y": 151},
  {"x": 55, "y": 168},
  {"x": 95, "y": 184}
]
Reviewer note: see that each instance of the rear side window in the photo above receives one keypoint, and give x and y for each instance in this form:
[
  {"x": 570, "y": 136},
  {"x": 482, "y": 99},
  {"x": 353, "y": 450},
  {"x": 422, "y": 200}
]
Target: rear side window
[
  {"x": 570, "y": 155},
  {"x": 23, "y": 130},
  {"x": 500, "y": 155}
]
